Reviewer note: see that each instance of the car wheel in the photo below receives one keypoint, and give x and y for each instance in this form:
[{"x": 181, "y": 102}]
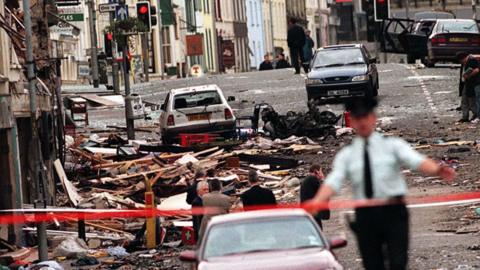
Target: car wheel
[
  {"x": 428, "y": 62},
  {"x": 230, "y": 135},
  {"x": 167, "y": 140},
  {"x": 411, "y": 59},
  {"x": 370, "y": 91}
]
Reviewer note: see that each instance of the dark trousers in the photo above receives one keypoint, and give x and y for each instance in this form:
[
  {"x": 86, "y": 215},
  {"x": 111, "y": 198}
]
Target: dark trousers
[
  {"x": 297, "y": 58},
  {"x": 468, "y": 105},
  {"x": 383, "y": 235}
]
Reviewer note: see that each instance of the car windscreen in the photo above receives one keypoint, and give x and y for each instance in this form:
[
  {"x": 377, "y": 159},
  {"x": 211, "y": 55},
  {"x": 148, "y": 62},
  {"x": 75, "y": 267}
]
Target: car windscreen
[
  {"x": 196, "y": 99},
  {"x": 338, "y": 57},
  {"x": 261, "y": 235},
  {"x": 457, "y": 26}
]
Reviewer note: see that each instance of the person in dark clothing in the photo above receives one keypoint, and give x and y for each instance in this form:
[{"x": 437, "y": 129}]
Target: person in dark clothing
[
  {"x": 266, "y": 64},
  {"x": 308, "y": 50},
  {"x": 281, "y": 62},
  {"x": 471, "y": 86},
  {"x": 309, "y": 188},
  {"x": 202, "y": 189},
  {"x": 192, "y": 189},
  {"x": 256, "y": 195},
  {"x": 296, "y": 40}
]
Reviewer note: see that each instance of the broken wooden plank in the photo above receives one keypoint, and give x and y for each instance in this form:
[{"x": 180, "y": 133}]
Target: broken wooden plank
[
  {"x": 70, "y": 189},
  {"x": 207, "y": 151},
  {"x": 18, "y": 255},
  {"x": 100, "y": 100},
  {"x": 275, "y": 162},
  {"x": 100, "y": 150}
]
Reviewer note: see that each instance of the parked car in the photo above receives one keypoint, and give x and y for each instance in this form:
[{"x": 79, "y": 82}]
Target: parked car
[
  {"x": 267, "y": 239},
  {"x": 417, "y": 37},
  {"x": 342, "y": 71},
  {"x": 432, "y": 37},
  {"x": 451, "y": 36},
  {"x": 197, "y": 109}
]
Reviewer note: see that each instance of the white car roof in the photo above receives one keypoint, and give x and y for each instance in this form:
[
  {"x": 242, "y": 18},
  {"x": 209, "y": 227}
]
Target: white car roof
[
  {"x": 242, "y": 216},
  {"x": 455, "y": 20},
  {"x": 199, "y": 88}
]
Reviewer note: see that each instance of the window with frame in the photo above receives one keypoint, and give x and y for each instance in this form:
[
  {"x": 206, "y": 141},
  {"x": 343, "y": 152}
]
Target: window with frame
[{"x": 167, "y": 45}]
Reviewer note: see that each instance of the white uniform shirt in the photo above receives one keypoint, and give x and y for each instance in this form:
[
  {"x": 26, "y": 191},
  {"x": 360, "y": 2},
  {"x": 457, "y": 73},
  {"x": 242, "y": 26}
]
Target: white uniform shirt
[{"x": 387, "y": 157}]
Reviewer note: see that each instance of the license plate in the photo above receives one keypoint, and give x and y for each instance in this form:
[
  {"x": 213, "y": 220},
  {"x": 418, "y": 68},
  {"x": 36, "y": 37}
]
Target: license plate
[
  {"x": 337, "y": 92},
  {"x": 458, "y": 39},
  {"x": 198, "y": 116}
]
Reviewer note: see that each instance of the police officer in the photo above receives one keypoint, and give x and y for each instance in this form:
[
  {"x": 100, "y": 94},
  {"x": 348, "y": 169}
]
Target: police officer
[{"x": 373, "y": 164}]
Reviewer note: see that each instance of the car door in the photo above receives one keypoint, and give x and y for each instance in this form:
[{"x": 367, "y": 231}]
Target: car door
[
  {"x": 164, "y": 112},
  {"x": 393, "y": 32},
  {"x": 417, "y": 39}
]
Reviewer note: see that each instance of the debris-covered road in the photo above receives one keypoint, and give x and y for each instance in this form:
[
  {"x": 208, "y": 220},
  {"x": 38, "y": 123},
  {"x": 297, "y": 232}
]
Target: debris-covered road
[{"x": 416, "y": 104}]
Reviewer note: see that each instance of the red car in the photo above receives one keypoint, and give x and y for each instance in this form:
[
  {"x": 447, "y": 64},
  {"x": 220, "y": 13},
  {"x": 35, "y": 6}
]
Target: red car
[
  {"x": 451, "y": 36},
  {"x": 265, "y": 240}
]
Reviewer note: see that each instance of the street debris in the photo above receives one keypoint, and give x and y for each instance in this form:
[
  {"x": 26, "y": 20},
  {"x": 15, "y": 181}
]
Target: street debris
[
  {"x": 314, "y": 123},
  {"x": 106, "y": 171}
]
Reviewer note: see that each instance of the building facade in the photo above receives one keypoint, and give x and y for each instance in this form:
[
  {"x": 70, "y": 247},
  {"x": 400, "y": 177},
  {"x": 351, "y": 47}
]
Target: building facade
[
  {"x": 275, "y": 18},
  {"x": 317, "y": 21},
  {"x": 297, "y": 9},
  {"x": 256, "y": 39},
  {"x": 200, "y": 20},
  {"x": 231, "y": 22}
]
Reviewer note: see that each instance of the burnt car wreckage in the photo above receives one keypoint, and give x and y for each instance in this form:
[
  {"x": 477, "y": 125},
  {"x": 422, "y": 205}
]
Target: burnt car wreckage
[{"x": 313, "y": 123}]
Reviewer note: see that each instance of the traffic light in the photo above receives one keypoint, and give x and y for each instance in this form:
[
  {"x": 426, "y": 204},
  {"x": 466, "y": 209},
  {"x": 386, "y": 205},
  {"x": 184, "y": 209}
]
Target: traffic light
[
  {"x": 144, "y": 14},
  {"x": 382, "y": 9},
  {"x": 108, "y": 37},
  {"x": 153, "y": 16}
]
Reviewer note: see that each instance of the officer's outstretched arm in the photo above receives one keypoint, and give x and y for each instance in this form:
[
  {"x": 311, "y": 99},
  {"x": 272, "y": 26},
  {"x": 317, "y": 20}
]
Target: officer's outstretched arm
[{"x": 432, "y": 168}]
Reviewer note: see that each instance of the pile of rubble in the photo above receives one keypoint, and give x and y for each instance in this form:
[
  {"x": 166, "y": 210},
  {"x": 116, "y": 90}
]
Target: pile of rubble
[{"x": 111, "y": 172}]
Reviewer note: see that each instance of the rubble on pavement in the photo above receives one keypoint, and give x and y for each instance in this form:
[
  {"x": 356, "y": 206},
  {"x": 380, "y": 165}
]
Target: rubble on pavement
[{"x": 106, "y": 171}]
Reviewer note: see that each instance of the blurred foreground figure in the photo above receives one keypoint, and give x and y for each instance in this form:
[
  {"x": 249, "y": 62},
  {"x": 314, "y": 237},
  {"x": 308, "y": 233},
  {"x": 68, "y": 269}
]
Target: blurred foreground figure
[{"x": 373, "y": 164}]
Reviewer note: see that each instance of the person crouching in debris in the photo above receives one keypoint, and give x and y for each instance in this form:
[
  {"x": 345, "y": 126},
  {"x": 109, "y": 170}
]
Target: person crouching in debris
[
  {"x": 471, "y": 87},
  {"x": 202, "y": 189},
  {"x": 373, "y": 163},
  {"x": 219, "y": 203},
  {"x": 192, "y": 189},
  {"x": 310, "y": 186},
  {"x": 257, "y": 195}
]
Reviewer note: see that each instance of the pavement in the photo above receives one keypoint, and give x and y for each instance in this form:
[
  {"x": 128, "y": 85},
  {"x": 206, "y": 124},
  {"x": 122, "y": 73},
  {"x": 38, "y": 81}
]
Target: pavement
[{"x": 416, "y": 104}]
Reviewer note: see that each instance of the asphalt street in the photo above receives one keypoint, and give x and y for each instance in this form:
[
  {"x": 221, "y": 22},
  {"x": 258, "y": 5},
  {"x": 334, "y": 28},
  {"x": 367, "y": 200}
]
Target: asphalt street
[{"x": 415, "y": 103}]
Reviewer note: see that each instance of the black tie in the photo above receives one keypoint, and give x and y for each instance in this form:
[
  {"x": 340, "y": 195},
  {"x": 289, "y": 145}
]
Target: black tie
[{"x": 367, "y": 173}]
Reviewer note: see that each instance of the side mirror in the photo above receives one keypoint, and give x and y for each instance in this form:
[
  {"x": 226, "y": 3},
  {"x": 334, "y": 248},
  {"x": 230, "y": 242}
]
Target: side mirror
[
  {"x": 373, "y": 60},
  {"x": 231, "y": 98},
  {"x": 188, "y": 256},
  {"x": 162, "y": 107},
  {"x": 338, "y": 242}
]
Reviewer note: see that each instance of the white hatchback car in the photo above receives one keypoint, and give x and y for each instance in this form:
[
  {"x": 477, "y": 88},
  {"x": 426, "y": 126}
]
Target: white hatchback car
[{"x": 197, "y": 109}]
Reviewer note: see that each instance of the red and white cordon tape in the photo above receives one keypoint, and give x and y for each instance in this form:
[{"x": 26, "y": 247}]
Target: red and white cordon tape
[{"x": 19, "y": 216}]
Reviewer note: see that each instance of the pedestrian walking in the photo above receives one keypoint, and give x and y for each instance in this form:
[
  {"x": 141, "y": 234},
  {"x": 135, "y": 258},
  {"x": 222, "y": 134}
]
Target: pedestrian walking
[
  {"x": 296, "y": 40},
  {"x": 266, "y": 64},
  {"x": 309, "y": 188},
  {"x": 257, "y": 195},
  {"x": 471, "y": 87},
  {"x": 373, "y": 163},
  {"x": 308, "y": 50},
  {"x": 202, "y": 189},
  {"x": 215, "y": 199},
  {"x": 282, "y": 62}
]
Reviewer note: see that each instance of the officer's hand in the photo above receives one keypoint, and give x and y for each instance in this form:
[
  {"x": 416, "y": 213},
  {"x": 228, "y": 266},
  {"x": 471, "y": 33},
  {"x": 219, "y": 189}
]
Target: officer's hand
[{"x": 447, "y": 173}]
